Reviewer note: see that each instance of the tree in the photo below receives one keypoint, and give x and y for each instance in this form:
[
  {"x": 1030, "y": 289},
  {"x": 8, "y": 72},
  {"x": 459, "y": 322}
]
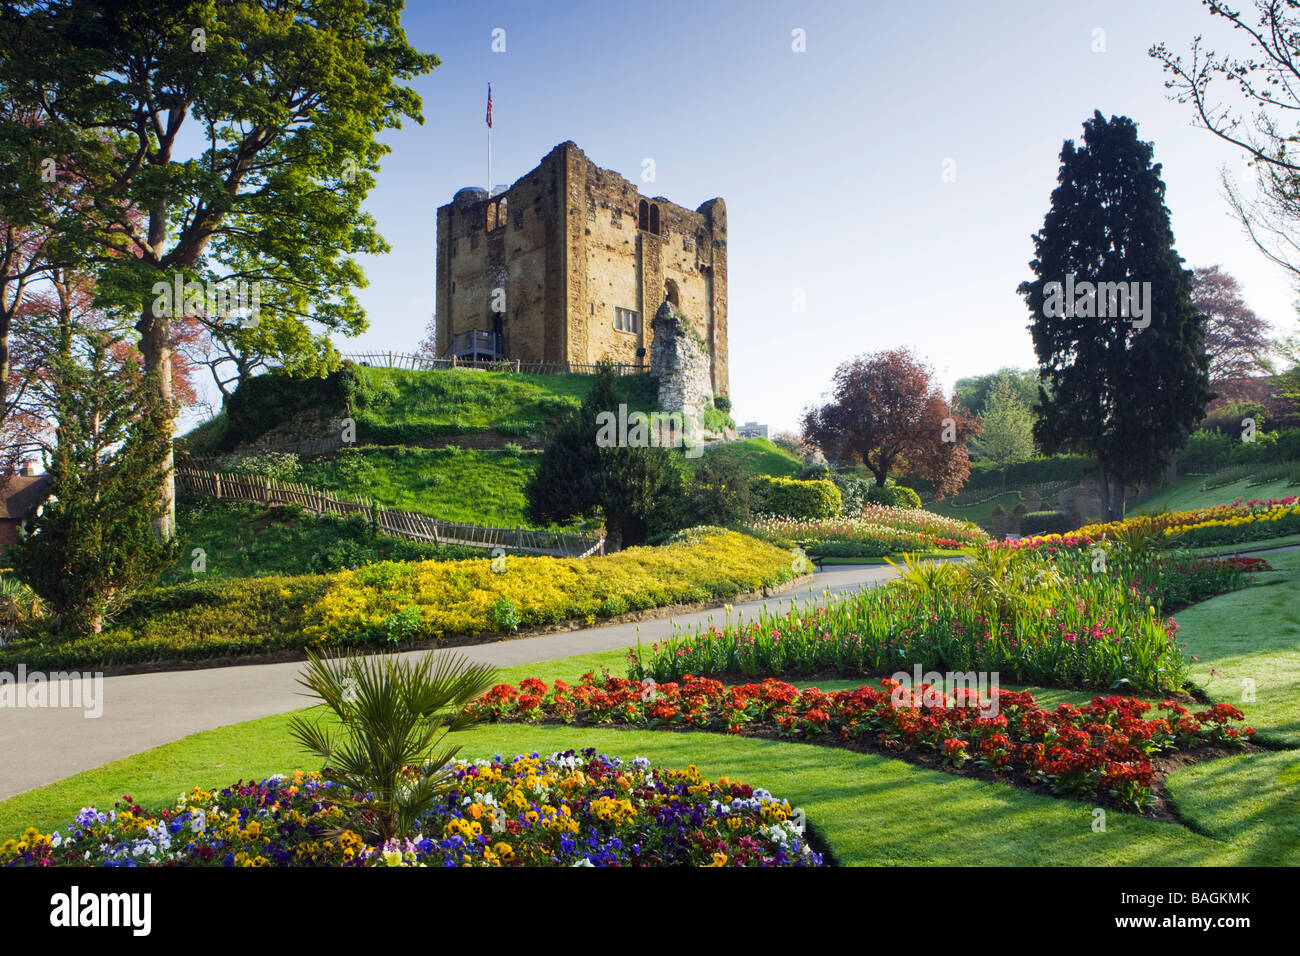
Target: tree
[
  {"x": 637, "y": 490},
  {"x": 428, "y": 347},
  {"x": 718, "y": 491},
  {"x": 1267, "y": 81},
  {"x": 1236, "y": 339},
  {"x": 888, "y": 413},
  {"x": 92, "y": 543},
  {"x": 972, "y": 393},
  {"x": 1008, "y": 426},
  {"x": 289, "y": 100},
  {"x": 1120, "y": 345}
]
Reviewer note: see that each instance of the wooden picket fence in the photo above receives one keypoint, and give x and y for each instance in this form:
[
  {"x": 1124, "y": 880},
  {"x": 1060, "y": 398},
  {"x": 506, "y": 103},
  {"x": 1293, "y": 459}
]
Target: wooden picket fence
[
  {"x": 423, "y": 363},
  {"x": 400, "y": 524}
]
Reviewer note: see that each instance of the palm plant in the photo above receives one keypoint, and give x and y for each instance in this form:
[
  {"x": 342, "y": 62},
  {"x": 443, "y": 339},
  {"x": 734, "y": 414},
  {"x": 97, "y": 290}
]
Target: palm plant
[
  {"x": 19, "y": 605},
  {"x": 386, "y": 754}
]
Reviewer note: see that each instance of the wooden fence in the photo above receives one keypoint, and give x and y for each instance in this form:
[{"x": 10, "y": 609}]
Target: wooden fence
[
  {"x": 408, "y": 360},
  {"x": 400, "y": 524}
]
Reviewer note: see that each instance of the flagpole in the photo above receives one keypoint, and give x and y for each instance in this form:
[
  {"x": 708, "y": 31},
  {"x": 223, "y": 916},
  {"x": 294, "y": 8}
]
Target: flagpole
[{"x": 489, "y": 126}]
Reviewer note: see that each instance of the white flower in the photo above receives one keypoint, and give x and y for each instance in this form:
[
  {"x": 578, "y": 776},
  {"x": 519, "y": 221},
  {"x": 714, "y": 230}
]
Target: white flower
[{"x": 584, "y": 862}]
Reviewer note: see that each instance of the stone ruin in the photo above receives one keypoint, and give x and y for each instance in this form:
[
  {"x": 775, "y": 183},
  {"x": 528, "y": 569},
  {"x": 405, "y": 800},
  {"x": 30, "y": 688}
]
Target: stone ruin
[{"x": 680, "y": 365}]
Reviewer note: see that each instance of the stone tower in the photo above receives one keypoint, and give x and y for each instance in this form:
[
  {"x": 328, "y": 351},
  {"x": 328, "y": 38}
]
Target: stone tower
[{"x": 569, "y": 263}]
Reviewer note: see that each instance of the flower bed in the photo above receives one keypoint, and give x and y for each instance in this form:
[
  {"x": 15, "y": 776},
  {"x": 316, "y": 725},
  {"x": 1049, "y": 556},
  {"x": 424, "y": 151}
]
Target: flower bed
[
  {"x": 564, "y": 810},
  {"x": 1102, "y": 750},
  {"x": 878, "y": 531},
  {"x": 1252, "y": 520},
  {"x": 388, "y": 603},
  {"x": 1017, "y": 613}
]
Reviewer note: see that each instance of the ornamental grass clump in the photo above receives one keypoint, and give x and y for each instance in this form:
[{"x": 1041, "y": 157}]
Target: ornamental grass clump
[{"x": 385, "y": 753}]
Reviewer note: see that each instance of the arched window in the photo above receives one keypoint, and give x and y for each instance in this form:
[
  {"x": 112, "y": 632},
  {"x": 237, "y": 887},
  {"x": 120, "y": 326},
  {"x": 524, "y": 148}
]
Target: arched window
[
  {"x": 643, "y": 215},
  {"x": 671, "y": 294},
  {"x": 654, "y": 218}
]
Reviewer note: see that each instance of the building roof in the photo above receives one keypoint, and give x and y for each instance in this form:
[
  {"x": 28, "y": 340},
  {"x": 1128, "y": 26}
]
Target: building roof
[{"x": 21, "y": 493}]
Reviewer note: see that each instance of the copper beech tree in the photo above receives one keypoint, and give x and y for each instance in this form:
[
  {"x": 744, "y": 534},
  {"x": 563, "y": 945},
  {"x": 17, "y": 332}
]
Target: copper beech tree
[{"x": 888, "y": 413}]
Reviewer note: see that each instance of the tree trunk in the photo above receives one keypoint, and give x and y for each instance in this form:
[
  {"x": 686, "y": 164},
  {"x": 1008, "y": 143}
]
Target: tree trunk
[
  {"x": 155, "y": 347},
  {"x": 1117, "y": 505}
]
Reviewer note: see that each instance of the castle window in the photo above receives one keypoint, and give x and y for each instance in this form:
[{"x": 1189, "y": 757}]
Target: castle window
[
  {"x": 625, "y": 320},
  {"x": 654, "y": 218},
  {"x": 671, "y": 294},
  {"x": 643, "y": 216},
  {"x": 496, "y": 214}
]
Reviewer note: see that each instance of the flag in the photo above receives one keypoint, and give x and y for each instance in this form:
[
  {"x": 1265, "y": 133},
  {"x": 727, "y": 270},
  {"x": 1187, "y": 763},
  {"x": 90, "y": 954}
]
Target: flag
[{"x": 489, "y": 111}]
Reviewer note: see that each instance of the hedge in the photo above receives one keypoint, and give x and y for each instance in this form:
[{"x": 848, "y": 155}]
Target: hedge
[
  {"x": 1045, "y": 522},
  {"x": 1209, "y": 451},
  {"x": 792, "y": 498},
  {"x": 387, "y": 603}
]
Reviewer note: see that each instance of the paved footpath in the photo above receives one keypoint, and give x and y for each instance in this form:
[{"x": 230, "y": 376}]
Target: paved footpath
[{"x": 140, "y": 711}]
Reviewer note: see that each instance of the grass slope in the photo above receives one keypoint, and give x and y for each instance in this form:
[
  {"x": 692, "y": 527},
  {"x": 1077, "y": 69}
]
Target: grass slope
[
  {"x": 980, "y": 513},
  {"x": 454, "y": 484},
  {"x": 757, "y": 456},
  {"x": 397, "y": 403},
  {"x": 244, "y": 539},
  {"x": 1186, "y": 495},
  {"x": 1252, "y": 635}
]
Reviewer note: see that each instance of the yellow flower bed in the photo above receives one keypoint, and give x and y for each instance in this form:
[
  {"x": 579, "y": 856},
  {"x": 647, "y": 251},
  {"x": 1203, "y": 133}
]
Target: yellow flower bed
[
  {"x": 435, "y": 599},
  {"x": 1255, "y": 517}
]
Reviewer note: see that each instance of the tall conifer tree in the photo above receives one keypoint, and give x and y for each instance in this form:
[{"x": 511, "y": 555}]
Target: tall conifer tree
[{"x": 1126, "y": 385}]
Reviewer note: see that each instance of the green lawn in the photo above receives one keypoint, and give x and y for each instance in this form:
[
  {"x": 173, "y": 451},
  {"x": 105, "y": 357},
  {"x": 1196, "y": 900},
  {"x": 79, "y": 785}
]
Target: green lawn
[
  {"x": 1253, "y": 635},
  {"x": 243, "y": 539},
  {"x": 398, "y": 405},
  {"x": 871, "y": 810},
  {"x": 454, "y": 484},
  {"x": 757, "y": 456},
  {"x": 980, "y": 513},
  {"x": 1186, "y": 495}
]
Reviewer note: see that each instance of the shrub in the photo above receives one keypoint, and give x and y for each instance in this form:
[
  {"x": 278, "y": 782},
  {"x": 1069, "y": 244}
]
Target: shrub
[
  {"x": 722, "y": 403},
  {"x": 904, "y": 497},
  {"x": 718, "y": 492},
  {"x": 426, "y": 600},
  {"x": 1045, "y": 522},
  {"x": 792, "y": 498},
  {"x": 276, "y": 465}
]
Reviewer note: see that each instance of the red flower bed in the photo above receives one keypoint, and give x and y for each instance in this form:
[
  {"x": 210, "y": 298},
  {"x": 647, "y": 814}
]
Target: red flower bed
[{"x": 1100, "y": 750}]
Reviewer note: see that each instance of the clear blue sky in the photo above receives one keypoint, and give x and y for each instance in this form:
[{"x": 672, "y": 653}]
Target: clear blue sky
[{"x": 830, "y": 160}]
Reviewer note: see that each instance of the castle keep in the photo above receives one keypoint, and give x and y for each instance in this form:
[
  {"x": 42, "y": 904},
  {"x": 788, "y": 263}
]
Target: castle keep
[{"x": 571, "y": 264}]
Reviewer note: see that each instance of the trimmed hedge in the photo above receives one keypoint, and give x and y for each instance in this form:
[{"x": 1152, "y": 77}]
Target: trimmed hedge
[
  {"x": 388, "y": 603},
  {"x": 792, "y": 498},
  {"x": 1045, "y": 522}
]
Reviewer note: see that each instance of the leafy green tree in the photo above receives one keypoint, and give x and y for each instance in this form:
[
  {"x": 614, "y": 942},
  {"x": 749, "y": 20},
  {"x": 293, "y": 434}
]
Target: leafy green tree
[
  {"x": 972, "y": 393},
  {"x": 91, "y": 545},
  {"x": 1008, "y": 435},
  {"x": 287, "y": 102},
  {"x": 637, "y": 490},
  {"x": 1120, "y": 346}
]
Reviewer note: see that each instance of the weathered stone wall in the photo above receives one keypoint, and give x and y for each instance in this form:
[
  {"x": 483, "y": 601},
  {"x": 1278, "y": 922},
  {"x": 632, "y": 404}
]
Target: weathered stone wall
[
  {"x": 680, "y": 364},
  {"x": 571, "y": 253}
]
